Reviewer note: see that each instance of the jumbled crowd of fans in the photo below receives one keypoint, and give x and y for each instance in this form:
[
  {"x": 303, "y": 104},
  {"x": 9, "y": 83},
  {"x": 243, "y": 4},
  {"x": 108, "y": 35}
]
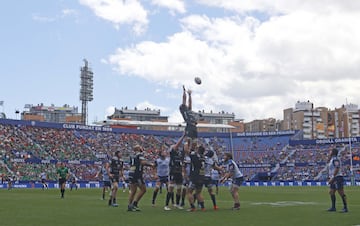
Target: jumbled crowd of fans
[{"x": 254, "y": 155}]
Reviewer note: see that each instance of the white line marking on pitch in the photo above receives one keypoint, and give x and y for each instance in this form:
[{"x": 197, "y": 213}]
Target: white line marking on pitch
[{"x": 284, "y": 203}]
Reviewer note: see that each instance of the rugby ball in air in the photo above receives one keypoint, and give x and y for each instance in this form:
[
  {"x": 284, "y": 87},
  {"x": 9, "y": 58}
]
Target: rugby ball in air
[{"x": 197, "y": 80}]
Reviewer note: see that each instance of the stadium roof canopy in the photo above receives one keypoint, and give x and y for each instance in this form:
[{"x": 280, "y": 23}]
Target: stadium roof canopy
[{"x": 110, "y": 122}]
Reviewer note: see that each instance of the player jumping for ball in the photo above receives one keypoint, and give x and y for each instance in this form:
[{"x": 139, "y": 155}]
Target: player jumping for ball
[{"x": 189, "y": 116}]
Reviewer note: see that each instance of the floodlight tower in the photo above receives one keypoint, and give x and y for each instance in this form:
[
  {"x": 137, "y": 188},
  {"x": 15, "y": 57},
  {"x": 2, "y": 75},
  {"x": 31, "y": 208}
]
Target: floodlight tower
[{"x": 86, "y": 90}]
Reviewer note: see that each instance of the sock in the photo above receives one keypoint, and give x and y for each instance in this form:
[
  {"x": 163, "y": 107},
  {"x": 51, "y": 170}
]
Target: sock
[
  {"x": 183, "y": 194},
  {"x": 135, "y": 203},
  {"x": 172, "y": 197},
  {"x": 114, "y": 200},
  {"x": 168, "y": 197},
  {"x": 154, "y": 197},
  {"x": 110, "y": 200},
  {"x": 202, "y": 205},
  {"x": 213, "y": 199},
  {"x": 182, "y": 200},
  {"x": 344, "y": 201},
  {"x": 333, "y": 200},
  {"x": 177, "y": 199}
]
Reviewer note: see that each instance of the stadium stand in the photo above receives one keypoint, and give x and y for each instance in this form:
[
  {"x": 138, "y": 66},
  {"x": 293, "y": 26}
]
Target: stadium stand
[{"x": 29, "y": 148}]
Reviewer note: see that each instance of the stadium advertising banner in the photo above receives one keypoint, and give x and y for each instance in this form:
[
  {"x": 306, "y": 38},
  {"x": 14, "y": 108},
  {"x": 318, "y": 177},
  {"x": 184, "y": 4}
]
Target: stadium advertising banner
[
  {"x": 263, "y": 134},
  {"x": 54, "y": 161},
  {"x": 86, "y": 127},
  {"x": 325, "y": 141},
  {"x": 96, "y": 184}
]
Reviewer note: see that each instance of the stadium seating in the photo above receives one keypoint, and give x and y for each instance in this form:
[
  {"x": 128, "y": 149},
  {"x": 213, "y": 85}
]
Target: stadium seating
[{"x": 28, "y": 150}]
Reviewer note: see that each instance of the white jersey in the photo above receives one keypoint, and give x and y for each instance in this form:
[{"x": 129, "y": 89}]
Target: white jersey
[
  {"x": 215, "y": 175},
  {"x": 209, "y": 163},
  {"x": 187, "y": 164},
  {"x": 105, "y": 175},
  {"x": 43, "y": 176},
  {"x": 334, "y": 164},
  {"x": 232, "y": 167},
  {"x": 126, "y": 174},
  {"x": 215, "y": 157},
  {"x": 162, "y": 167}
]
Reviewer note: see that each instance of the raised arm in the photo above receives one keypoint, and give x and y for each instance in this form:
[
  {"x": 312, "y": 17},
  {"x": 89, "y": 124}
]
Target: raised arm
[
  {"x": 107, "y": 168},
  {"x": 184, "y": 96},
  {"x": 176, "y": 146},
  {"x": 190, "y": 100}
]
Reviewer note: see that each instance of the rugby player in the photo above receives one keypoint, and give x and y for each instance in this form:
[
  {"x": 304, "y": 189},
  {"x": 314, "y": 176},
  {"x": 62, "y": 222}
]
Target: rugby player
[
  {"x": 336, "y": 181},
  {"x": 210, "y": 165},
  {"x": 197, "y": 176},
  {"x": 176, "y": 174},
  {"x": 115, "y": 171},
  {"x": 232, "y": 171},
  {"x": 106, "y": 183},
  {"x": 162, "y": 173},
  {"x": 136, "y": 180}
]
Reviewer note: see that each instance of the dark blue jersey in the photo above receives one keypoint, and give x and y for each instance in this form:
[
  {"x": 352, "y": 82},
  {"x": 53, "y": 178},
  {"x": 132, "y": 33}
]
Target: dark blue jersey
[
  {"x": 190, "y": 117},
  {"x": 176, "y": 161},
  {"x": 136, "y": 168},
  {"x": 197, "y": 168},
  {"x": 116, "y": 165}
]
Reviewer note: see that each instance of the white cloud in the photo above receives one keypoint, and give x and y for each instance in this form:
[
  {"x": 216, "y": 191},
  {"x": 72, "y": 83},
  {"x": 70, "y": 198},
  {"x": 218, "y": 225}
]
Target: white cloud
[
  {"x": 109, "y": 111},
  {"x": 257, "y": 68},
  {"x": 157, "y": 59},
  {"x": 242, "y": 6},
  {"x": 104, "y": 61},
  {"x": 49, "y": 19},
  {"x": 67, "y": 12},
  {"x": 284, "y": 6},
  {"x": 175, "y": 117},
  {"x": 147, "y": 105},
  {"x": 173, "y": 5},
  {"x": 120, "y": 12},
  {"x": 43, "y": 19}
]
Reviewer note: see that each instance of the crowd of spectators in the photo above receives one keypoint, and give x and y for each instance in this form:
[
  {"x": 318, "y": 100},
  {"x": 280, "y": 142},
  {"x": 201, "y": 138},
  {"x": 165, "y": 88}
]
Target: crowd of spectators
[
  {"x": 254, "y": 155},
  {"x": 267, "y": 143}
]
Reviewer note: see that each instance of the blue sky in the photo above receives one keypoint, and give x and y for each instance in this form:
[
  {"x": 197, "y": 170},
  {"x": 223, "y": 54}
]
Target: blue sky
[{"x": 255, "y": 57}]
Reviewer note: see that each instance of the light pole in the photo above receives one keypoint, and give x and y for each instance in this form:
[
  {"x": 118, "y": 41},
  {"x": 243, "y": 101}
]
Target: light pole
[{"x": 86, "y": 90}]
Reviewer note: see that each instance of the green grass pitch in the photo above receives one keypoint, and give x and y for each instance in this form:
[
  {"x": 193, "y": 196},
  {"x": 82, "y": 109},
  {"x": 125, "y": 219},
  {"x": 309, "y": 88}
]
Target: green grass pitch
[{"x": 259, "y": 206}]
